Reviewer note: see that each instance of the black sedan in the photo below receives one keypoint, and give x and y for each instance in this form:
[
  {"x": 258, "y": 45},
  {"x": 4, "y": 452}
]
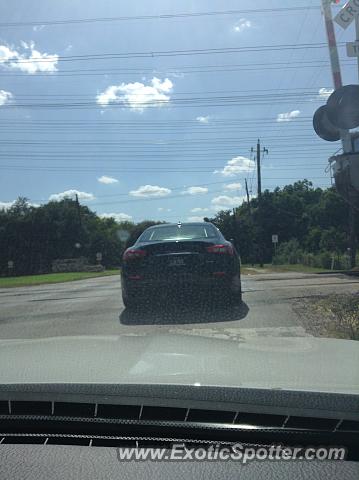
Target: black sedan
[{"x": 183, "y": 257}]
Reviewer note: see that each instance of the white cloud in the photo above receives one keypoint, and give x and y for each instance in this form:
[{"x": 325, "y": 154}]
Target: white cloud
[
  {"x": 6, "y": 53},
  {"x": 199, "y": 209},
  {"x": 195, "y": 219},
  {"x": 32, "y": 61},
  {"x": 236, "y": 166},
  {"x": 71, "y": 194},
  {"x": 150, "y": 191},
  {"x": 223, "y": 202},
  {"x": 196, "y": 190},
  {"x": 162, "y": 209},
  {"x": 107, "y": 180},
  {"x": 233, "y": 186},
  {"x": 119, "y": 217},
  {"x": 7, "y": 205},
  {"x": 325, "y": 93},
  {"x": 202, "y": 119},
  {"x": 137, "y": 95},
  {"x": 242, "y": 24},
  {"x": 5, "y": 97},
  {"x": 288, "y": 116},
  {"x": 38, "y": 28}
]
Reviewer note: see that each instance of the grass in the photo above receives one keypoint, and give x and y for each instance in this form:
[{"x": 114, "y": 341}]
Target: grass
[
  {"x": 268, "y": 268},
  {"x": 30, "y": 280},
  {"x": 333, "y": 316}
]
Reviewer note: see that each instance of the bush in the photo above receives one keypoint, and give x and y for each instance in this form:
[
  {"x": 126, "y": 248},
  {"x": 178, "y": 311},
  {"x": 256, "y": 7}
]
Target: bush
[
  {"x": 323, "y": 260},
  {"x": 290, "y": 253}
]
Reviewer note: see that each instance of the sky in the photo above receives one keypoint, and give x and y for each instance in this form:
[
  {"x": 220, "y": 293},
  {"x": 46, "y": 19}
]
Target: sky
[{"x": 154, "y": 117}]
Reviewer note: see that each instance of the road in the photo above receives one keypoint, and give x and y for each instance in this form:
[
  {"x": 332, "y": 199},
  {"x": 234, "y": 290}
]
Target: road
[{"x": 94, "y": 307}]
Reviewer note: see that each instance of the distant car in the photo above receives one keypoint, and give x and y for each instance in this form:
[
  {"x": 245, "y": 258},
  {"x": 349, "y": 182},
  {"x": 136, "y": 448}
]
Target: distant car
[{"x": 187, "y": 257}]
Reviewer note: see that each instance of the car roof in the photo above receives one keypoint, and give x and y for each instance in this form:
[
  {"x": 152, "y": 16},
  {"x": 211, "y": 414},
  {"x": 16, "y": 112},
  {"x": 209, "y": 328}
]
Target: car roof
[{"x": 181, "y": 223}]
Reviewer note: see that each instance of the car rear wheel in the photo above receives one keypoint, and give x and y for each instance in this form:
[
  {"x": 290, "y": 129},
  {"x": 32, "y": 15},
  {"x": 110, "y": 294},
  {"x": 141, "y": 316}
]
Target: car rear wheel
[
  {"x": 129, "y": 301},
  {"x": 236, "y": 298}
]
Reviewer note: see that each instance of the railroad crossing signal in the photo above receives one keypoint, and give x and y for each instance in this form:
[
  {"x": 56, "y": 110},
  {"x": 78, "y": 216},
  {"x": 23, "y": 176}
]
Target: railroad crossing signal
[
  {"x": 347, "y": 14},
  {"x": 340, "y": 113}
]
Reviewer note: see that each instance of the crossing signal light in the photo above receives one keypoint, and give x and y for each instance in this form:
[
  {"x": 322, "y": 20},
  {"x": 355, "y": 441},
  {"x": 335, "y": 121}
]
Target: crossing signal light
[
  {"x": 323, "y": 127},
  {"x": 340, "y": 113}
]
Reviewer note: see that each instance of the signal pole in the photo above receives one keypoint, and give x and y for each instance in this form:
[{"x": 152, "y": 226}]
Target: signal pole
[
  {"x": 332, "y": 43},
  {"x": 337, "y": 80},
  {"x": 352, "y": 210}
]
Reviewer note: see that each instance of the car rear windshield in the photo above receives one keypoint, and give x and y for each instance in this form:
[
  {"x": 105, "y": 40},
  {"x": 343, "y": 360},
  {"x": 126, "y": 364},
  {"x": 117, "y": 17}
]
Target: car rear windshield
[{"x": 175, "y": 232}]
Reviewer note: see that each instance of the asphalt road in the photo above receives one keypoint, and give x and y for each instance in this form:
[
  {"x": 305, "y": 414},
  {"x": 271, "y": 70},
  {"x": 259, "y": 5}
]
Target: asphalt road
[{"x": 94, "y": 307}]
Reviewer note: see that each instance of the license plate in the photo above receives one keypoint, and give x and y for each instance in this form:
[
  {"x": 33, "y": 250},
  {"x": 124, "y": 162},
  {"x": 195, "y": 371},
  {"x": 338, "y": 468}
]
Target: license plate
[{"x": 176, "y": 262}]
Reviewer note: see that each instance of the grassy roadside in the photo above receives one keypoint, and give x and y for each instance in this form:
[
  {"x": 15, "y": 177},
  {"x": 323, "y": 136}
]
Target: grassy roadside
[
  {"x": 268, "y": 268},
  {"x": 30, "y": 280},
  {"x": 333, "y": 316}
]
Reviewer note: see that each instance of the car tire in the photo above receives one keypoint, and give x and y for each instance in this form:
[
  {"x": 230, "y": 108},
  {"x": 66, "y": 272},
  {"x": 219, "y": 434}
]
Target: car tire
[
  {"x": 129, "y": 301},
  {"x": 236, "y": 298}
]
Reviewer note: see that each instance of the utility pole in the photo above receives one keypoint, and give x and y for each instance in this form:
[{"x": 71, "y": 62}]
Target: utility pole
[
  {"x": 258, "y": 162},
  {"x": 259, "y": 194},
  {"x": 259, "y": 178},
  {"x": 249, "y": 206},
  {"x": 78, "y": 209}
]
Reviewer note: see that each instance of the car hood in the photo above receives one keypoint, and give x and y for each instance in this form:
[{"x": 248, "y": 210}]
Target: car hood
[{"x": 295, "y": 363}]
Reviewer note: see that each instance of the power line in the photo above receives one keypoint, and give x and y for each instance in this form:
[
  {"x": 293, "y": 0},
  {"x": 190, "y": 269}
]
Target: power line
[
  {"x": 152, "y": 168},
  {"x": 123, "y": 104},
  {"x": 215, "y": 120},
  {"x": 172, "y": 188},
  {"x": 280, "y": 66},
  {"x": 89, "y": 101},
  {"x": 171, "y": 197},
  {"x": 176, "y": 53},
  {"x": 156, "y": 17},
  {"x": 298, "y": 91},
  {"x": 191, "y": 120}
]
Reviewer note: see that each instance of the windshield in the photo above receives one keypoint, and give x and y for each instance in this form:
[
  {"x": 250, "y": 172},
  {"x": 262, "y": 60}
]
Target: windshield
[
  {"x": 176, "y": 232},
  {"x": 181, "y": 178}
]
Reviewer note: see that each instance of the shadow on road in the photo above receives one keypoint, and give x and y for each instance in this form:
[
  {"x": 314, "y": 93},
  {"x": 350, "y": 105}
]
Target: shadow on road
[{"x": 183, "y": 312}]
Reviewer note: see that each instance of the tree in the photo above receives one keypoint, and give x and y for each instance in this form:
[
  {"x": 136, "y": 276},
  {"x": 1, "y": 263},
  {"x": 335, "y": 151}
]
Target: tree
[{"x": 308, "y": 220}]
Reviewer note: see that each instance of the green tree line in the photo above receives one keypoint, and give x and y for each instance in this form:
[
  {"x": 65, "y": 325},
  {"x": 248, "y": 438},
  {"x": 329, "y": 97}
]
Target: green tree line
[
  {"x": 312, "y": 225},
  {"x": 32, "y": 237}
]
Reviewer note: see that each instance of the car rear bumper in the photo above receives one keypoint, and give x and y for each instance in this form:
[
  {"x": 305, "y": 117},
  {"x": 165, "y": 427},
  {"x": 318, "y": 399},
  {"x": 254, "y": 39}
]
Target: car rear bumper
[{"x": 182, "y": 284}]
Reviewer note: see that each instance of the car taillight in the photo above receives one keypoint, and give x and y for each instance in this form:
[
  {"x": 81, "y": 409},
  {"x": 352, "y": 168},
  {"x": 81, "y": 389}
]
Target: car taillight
[
  {"x": 133, "y": 254},
  {"x": 221, "y": 249}
]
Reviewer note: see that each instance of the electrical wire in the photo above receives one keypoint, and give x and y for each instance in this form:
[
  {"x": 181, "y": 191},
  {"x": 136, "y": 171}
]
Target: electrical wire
[{"x": 156, "y": 17}]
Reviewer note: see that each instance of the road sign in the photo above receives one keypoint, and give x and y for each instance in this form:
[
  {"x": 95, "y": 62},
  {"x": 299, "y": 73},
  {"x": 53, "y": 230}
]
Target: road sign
[
  {"x": 10, "y": 264},
  {"x": 347, "y": 14},
  {"x": 99, "y": 256},
  {"x": 274, "y": 238},
  {"x": 353, "y": 49}
]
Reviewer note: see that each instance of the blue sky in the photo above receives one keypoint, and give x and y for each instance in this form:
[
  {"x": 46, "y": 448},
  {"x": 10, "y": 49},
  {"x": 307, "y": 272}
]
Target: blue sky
[{"x": 161, "y": 136}]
